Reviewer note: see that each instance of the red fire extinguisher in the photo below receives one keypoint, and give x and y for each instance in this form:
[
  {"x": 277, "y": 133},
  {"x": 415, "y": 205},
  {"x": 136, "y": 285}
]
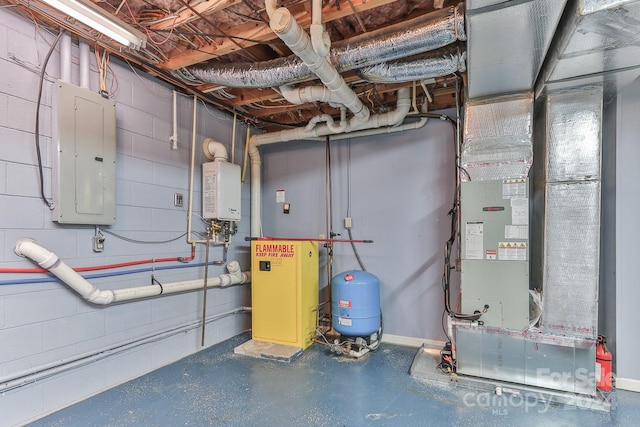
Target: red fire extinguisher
[{"x": 604, "y": 362}]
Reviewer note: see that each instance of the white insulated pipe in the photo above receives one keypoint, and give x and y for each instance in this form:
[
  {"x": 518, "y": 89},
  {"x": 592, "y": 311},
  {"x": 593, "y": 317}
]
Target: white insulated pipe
[
  {"x": 194, "y": 137},
  {"x": 305, "y": 94},
  {"x": 84, "y": 64},
  {"x": 284, "y": 25},
  {"x": 65, "y": 58},
  {"x": 319, "y": 37},
  {"x": 50, "y": 261},
  {"x": 174, "y": 135},
  {"x": 214, "y": 150},
  {"x": 374, "y": 125}
]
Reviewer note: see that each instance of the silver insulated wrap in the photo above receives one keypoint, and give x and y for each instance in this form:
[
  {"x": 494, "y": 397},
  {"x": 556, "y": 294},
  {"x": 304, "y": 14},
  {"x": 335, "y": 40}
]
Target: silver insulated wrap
[
  {"x": 571, "y": 257},
  {"x": 422, "y": 34},
  {"x": 498, "y": 136},
  {"x": 420, "y": 69}
]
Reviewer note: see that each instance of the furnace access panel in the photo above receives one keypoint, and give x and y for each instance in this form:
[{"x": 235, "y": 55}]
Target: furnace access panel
[{"x": 495, "y": 251}]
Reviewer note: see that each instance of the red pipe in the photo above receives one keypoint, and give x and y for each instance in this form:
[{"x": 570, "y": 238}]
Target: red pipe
[
  {"x": 106, "y": 266},
  {"x": 309, "y": 239}
]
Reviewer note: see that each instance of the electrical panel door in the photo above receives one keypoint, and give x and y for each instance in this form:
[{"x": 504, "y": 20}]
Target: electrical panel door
[
  {"x": 284, "y": 291},
  {"x": 84, "y": 164}
]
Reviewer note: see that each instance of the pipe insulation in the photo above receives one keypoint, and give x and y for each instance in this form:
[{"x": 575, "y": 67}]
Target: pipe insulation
[
  {"x": 84, "y": 51},
  {"x": 65, "y": 57},
  {"x": 46, "y": 259},
  {"x": 289, "y": 31},
  {"x": 419, "y": 35}
]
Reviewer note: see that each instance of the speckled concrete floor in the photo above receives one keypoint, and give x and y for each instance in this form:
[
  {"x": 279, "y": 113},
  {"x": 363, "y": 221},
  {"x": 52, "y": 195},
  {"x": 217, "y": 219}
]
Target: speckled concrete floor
[{"x": 219, "y": 388}]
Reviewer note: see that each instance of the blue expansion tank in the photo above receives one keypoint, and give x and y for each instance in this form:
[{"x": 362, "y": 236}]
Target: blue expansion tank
[{"x": 355, "y": 303}]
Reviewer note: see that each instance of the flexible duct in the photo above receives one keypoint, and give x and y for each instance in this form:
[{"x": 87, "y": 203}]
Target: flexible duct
[
  {"x": 46, "y": 259},
  {"x": 421, "y": 69},
  {"x": 419, "y": 35},
  {"x": 389, "y": 119}
]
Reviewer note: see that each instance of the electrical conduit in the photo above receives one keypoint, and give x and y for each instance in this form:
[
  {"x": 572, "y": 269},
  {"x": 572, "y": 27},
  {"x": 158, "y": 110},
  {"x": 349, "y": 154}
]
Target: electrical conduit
[{"x": 46, "y": 259}]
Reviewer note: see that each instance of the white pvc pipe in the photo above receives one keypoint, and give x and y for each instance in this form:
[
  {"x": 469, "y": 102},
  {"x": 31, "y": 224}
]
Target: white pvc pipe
[
  {"x": 84, "y": 64},
  {"x": 65, "y": 58},
  {"x": 319, "y": 37},
  {"x": 174, "y": 135},
  {"x": 50, "y": 261},
  {"x": 305, "y": 94},
  {"x": 389, "y": 119},
  {"x": 40, "y": 372},
  {"x": 192, "y": 171},
  {"x": 214, "y": 150},
  {"x": 379, "y": 131},
  {"x": 270, "y": 7},
  {"x": 284, "y": 25}
]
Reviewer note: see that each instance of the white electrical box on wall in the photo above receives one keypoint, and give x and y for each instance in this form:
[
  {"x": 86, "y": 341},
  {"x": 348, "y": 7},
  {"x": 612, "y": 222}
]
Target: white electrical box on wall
[
  {"x": 221, "y": 191},
  {"x": 84, "y": 164}
]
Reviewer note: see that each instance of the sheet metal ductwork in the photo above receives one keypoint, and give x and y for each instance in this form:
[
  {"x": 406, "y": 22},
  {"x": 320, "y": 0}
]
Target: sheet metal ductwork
[
  {"x": 598, "y": 42},
  {"x": 508, "y": 42},
  {"x": 420, "y": 35}
]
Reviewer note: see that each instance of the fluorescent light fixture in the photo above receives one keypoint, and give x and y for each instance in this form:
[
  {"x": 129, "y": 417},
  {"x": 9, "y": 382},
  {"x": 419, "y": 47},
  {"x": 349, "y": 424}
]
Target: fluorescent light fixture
[{"x": 93, "y": 16}]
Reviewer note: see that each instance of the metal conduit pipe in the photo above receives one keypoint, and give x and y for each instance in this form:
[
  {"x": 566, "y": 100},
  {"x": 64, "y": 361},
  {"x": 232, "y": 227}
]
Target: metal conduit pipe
[
  {"x": 289, "y": 31},
  {"x": 391, "y": 118},
  {"x": 419, "y": 35},
  {"x": 46, "y": 259}
]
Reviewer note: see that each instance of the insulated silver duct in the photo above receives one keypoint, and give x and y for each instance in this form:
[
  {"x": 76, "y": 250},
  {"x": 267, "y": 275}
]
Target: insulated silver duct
[
  {"x": 420, "y": 69},
  {"x": 419, "y": 35}
]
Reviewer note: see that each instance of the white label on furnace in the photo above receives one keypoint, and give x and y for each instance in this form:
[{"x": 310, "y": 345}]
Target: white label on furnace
[
  {"x": 516, "y": 232},
  {"x": 520, "y": 211},
  {"x": 474, "y": 240},
  {"x": 280, "y": 196},
  {"x": 514, "y": 188},
  {"x": 345, "y": 321}
]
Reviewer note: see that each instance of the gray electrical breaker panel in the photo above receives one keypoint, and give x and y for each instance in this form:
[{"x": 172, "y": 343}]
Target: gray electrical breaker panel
[
  {"x": 495, "y": 251},
  {"x": 84, "y": 164}
]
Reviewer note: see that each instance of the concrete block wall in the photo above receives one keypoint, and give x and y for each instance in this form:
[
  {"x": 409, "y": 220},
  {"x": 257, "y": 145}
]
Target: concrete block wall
[
  {"x": 401, "y": 187},
  {"x": 44, "y": 323}
]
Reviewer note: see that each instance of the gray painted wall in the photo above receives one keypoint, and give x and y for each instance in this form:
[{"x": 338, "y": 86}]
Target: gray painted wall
[
  {"x": 627, "y": 232},
  {"x": 401, "y": 188},
  {"x": 43, "y": 323}
]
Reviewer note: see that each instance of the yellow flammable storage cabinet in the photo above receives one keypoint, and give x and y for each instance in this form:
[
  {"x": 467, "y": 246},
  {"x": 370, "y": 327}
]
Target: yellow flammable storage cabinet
[{"x": 284, "y": 291}]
